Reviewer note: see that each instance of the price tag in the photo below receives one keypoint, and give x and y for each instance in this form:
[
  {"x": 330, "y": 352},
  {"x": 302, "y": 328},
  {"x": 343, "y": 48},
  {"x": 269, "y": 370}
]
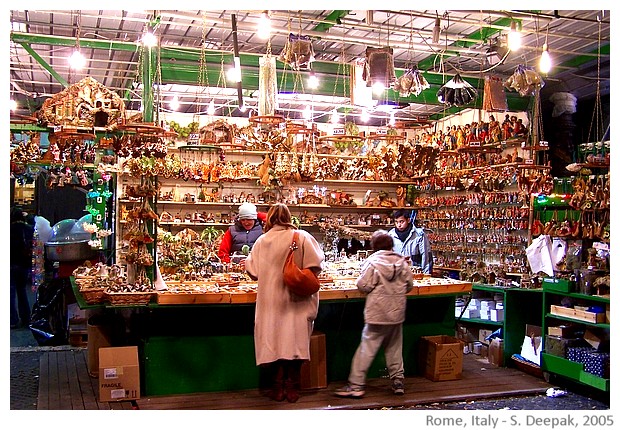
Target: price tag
[
  {"x": 57, "y": 128},
  {"x": 238, "y": 141},
  {"x": 339, "y": 132},
  {"x": 382, "y": 131},
  {"x": 474, "y": 144},
  {"x": 543, "y": 143},
  {"x": 601, "y": 246},
  {"x": 166, "y": 126},
  {"x": 529, "y": 161},
  {"x": 194, "y": 136}
]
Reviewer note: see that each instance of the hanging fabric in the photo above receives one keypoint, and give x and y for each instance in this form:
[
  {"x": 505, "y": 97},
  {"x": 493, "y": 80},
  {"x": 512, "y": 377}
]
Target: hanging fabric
[
  {"x": 379, "y": 66},
  {"x": 411, "y": 82},
  {"x": 494, "y": 97},
  {"x": 267, "y": 86}
]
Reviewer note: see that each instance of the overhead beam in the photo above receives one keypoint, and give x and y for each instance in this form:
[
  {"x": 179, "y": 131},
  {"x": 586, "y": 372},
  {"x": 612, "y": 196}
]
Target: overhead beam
[
  {"x": 45, "y": 64},
  {"x": 334, "y": 17}
]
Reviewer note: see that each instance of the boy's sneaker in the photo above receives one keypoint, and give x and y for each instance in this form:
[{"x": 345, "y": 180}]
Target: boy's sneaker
[
  {"x": 350, "y": 391},
  {"x": 398, "y": 387}
]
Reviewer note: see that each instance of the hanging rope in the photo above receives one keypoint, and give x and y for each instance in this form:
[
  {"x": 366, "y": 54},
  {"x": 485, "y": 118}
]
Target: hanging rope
[
  {"x": 203, "y": 77},
  {"x": 597, "y": 115}
]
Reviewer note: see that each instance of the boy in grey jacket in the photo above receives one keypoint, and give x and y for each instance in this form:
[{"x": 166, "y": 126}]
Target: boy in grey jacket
[{"x": 386, "y": 278}]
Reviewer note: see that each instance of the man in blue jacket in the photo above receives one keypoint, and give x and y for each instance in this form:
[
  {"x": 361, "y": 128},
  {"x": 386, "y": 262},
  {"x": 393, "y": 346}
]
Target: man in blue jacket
[{"x": 411, "y": 241}]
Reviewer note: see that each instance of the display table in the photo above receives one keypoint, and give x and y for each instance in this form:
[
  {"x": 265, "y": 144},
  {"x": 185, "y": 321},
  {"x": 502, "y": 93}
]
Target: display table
[{"x": 188, "y": 348}]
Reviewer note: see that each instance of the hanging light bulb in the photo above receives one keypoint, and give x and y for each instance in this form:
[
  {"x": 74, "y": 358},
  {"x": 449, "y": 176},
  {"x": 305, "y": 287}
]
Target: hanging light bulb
[
  {"x": 392, "y": 121},
  {"x": 436, "y": 30},
  {"x": 544, "y": 64},
  {"x": 174, "y": 103},
  {"x": 13, "y": 105},
  {"x": 313, "y": 81},
  {"x": 335, "y": 118},
  {"x": 264, "y": 26},
  {"x": 149, "y": 39},
  {"x": 211, "y": 108},
  {"x": 378, "y": 87},
  {"x": 365, "y": 116},
  {"x": 77, "y": 60},
  {"x": 234, "y": 73},
  {"x": 514, "y": 37},
  {"x": 307, "y": 113}
]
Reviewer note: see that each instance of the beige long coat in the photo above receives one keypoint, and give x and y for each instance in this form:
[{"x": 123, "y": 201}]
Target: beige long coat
[{"x": 283, "y": 321}]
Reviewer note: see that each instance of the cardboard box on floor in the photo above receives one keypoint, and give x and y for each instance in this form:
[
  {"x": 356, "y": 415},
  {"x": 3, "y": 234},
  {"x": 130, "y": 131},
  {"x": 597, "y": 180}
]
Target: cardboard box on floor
[
  {"x": 314, "y": 372},
  {"x": 119, "y": 374},
  {"x": 441, "y": 357},
  {"x": 496, "y": 352}
]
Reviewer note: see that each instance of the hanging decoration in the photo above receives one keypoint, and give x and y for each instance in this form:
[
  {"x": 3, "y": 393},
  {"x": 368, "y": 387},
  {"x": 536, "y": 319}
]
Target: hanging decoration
[
  {"x": 86, "y": 103},
  {"x": 411, "y": 82},
  {"x": 267, "y": 83},
  {"x": 525, "y": 80},
  {"x": 456, "y": 92},
  {"x": 379, "y": 67},
  {"x": 494, "y": 99},
  {"x": 298, "y": 52}
]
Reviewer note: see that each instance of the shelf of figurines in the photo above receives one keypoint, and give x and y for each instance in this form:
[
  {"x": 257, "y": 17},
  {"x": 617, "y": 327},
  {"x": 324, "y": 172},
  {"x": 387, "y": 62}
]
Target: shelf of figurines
[{"x": 96, "y": 286}]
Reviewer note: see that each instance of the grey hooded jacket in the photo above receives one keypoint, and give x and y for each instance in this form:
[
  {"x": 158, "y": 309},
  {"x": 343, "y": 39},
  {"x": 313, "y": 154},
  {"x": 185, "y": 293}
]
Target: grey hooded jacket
[{"x": 386, "y": 277}]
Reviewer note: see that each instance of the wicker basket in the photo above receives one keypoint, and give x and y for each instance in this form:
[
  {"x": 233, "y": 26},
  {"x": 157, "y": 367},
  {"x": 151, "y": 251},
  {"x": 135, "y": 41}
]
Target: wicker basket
[
  {"x": 84, "y": 282},
  {"x": 129, "y": 299},
  {"x": 92, "y": 296}
]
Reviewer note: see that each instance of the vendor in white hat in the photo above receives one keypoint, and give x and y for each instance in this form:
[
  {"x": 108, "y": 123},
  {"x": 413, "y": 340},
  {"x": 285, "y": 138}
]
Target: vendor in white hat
[{"x": 245, "y": 231}]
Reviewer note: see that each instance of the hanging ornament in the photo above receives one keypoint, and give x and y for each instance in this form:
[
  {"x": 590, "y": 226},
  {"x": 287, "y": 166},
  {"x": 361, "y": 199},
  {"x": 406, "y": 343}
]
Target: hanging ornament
[
  {"x": 411, "y": 82},
  {"x": 525, "y": 80},
  {"x": 298, "y": 52},
  {"x": 456, "y": 92}
]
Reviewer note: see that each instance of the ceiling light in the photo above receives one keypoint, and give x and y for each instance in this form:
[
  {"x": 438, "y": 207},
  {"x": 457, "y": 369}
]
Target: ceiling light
[
  {"x": 77, "y": 60},
  {"x": 242, "y": 108},
  {"x": 13, "y": 105},
  {"x": 149, "y": 39},
  {"x": 365, "y": 117},
  {"x": 313, "y": 81},
  {"x": 234, "y": 73},
  {"x": 264, "y": 26},
  {"x": 392, "y": 120},
  {"x": 307, "y": 112},
  {"x": 174, "y": 103},
  {"x": 544, "y": 64},
  {"x": 378, "y": 87},
  {"x": 436, "y": 30},
  {"x": 211, "y": 108},
  {"x": 335, "y": 118},
  {"x": 514, "y": 37}
]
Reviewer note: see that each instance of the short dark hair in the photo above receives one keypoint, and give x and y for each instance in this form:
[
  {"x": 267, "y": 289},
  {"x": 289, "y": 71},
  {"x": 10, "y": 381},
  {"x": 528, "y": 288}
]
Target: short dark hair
[
  {"x": 401, "y": 212},
  {"x": 381, "y": 241}
]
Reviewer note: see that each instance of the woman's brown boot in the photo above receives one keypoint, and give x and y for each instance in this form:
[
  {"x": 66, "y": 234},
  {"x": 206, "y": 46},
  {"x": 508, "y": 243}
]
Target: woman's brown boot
[
  {"x": 293, "y": 380},
  {"x": 277, "y": 391}
]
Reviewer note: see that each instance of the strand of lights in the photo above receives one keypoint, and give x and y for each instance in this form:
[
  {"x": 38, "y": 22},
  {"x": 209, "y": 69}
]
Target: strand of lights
[{"x": 263, "y": 30}]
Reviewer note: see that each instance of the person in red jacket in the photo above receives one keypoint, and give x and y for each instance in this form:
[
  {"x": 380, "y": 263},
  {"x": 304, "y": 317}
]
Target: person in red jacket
[{"x": 245, "y": 231}]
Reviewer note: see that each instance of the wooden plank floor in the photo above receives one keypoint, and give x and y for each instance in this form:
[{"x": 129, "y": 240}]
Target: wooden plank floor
[
  {"x": 480, "y": 380},
  {"x": 64, "y": 383}
]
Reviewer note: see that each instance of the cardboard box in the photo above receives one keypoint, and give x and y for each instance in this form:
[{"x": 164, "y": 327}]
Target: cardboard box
[
  {"x": 471, "y": 313},
  {"x": 485, "y": 314},
  {"x": 119, "y": 374},
  {"x": 496, "y": 352},
  {"x": 487, "y": 304},
  {"x": 441, "y": 357},
  {"x": 484, "y": 351},
  {"x": 483, "y": 333},
  {"x": 314, "y": 372},
  {"x": 567, "y": 331},
  {"x": 598, "y": 339},
  {"x": 497, "y": 315}
]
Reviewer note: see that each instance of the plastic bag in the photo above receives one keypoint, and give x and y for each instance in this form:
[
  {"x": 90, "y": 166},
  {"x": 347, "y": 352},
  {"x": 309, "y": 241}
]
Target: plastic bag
[{"x": 48, "y": 320}]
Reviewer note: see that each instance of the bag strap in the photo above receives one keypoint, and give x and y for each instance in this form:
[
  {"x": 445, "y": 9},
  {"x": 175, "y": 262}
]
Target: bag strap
[{"x": 294, "y": 246}]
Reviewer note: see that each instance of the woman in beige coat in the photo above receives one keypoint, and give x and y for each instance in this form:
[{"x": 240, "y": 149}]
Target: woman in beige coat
[{"x": 283, "y": 321}]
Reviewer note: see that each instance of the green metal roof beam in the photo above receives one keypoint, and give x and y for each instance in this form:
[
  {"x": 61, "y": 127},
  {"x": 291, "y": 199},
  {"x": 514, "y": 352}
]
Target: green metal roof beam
[
  {"x": 334, "y": 17},
  {"x": 483, "y": 34},
  {"x": 578, "y": 61},
  {"x": 44, "y": 64}
]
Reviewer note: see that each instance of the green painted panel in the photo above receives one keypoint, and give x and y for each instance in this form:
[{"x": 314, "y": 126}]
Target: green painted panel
[{"x": 191, "y": 364}]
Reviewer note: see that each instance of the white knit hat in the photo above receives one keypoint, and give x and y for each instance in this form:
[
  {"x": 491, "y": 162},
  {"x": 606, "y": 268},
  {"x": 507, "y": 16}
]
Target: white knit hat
[{"x": 247, "y": 211}]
